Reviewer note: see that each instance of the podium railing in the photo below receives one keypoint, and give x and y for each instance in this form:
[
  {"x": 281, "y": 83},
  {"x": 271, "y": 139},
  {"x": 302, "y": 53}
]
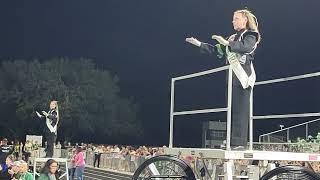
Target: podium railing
[
  {"x": 201, "y": 111},
  {"x": 229, "y": 103}
]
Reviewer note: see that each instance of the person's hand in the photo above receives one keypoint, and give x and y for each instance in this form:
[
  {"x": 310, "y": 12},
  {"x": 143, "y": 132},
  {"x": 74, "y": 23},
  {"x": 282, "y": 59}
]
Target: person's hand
[
  {"x": 45, "y": 113},
  {"x": 10, "y": 171},
  {"x": 38, "y": 114},
  {"x": 221, "y": 40},
  {"x": 193, "y": 41}
]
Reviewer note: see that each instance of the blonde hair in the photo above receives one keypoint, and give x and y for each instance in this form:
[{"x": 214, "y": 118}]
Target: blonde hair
[{"x": 252, "y": 22}]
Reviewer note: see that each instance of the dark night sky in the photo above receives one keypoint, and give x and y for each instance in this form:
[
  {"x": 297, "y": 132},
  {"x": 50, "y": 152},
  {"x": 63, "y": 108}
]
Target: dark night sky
[{"x": 142, "y": 42}]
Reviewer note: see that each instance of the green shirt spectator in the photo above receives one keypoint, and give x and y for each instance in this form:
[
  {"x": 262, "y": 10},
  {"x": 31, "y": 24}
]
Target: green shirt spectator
[{"x": 26, "y": 176}]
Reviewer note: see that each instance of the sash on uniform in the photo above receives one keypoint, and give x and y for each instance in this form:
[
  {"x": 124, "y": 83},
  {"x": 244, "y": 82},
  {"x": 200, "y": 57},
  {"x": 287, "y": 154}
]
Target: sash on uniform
[
  {"x": 52, "y": 129},
  {"x": 234, "y": 60},
  {"x": 245, "y": 80}
]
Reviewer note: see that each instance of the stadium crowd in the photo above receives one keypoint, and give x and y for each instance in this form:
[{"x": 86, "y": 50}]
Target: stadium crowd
[{"x": 16, "y": 158}]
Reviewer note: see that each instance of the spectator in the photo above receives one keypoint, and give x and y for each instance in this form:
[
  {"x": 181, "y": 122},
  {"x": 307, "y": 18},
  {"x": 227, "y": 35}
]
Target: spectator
[
  {"x": 24, "y": 173},
  {"x": 79, "y": 163},
  {"x": 35, "y": 145},
  {"x": 6, "y": 168},
  {"x": 49, "y": 171},
  {"x": 27, "y": 150},
  {"x": 58, "y": 145},
  {"x": 16, "y": 149},
  {"x": 15, "y": 170},
  {"x": 21, "y": 148},
  {"x": 116, "y": 149},
  {"x": 71, "y": 163},
  {"x": 5, "y": 150},
  {"x": 97, "y": 156}
]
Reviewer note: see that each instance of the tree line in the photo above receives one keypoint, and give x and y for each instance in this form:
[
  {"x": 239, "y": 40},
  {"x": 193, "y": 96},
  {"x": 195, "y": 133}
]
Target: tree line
[{"x": 89, "y": 100}]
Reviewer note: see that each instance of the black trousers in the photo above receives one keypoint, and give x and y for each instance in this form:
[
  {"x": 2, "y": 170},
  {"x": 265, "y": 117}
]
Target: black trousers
[
  {"x": 51, "y": 138},
  {"x": 16, "y": 154},
  {"x": 96, "y": 158},
  {"x": 27, "y": 156},
  {"x": 240, "y": 114}
]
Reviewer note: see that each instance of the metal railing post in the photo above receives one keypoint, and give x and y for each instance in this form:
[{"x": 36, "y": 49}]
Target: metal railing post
[
  {"x": 307, "y": 133},
  {"x": 251, "y": 122},
  {"x": 171, "y": 114},
  {"x": 229, "y": 108}
]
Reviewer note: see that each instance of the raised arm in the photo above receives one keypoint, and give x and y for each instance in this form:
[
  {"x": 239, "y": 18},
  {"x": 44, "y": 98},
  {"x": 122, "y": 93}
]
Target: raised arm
[{"x": 206, "y": 47}]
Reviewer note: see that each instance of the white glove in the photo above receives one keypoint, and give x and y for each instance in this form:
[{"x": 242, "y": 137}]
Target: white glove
[
  {"x": 45, "y": 113},
  {"x": 193, "y": 41},
  {"x": 38, "y": 114},
  {"x": 221, "y": 40}
]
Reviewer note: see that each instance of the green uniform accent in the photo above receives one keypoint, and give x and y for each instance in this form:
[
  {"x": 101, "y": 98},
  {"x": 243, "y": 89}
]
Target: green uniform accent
[{"x": 221, "y": 49}]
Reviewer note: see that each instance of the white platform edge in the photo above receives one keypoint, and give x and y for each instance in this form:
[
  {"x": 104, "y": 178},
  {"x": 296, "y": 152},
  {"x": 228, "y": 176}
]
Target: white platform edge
[{"x": 249, "y": 155}]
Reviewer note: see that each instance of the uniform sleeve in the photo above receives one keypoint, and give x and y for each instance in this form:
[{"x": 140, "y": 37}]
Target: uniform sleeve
[
  {"x": 53, "y": 116},
  {"x": 246, "y": 45},
  {"x": 218, "y": 49},
  {"x": 207, "y": 48}
]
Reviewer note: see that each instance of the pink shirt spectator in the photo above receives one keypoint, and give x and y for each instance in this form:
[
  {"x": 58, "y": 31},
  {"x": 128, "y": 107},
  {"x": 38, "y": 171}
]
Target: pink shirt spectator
[{"x": 79, "y": 159}]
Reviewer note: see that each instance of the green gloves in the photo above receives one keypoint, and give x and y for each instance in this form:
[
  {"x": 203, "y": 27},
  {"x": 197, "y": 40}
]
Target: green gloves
[{"x": 221, "y": 49}]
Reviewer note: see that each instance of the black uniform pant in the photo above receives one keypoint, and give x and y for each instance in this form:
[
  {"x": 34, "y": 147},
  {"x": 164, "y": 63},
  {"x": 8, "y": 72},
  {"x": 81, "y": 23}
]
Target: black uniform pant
[
  {"x": 51, "y": 138},
  {"x": 240, "y": 114}
]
